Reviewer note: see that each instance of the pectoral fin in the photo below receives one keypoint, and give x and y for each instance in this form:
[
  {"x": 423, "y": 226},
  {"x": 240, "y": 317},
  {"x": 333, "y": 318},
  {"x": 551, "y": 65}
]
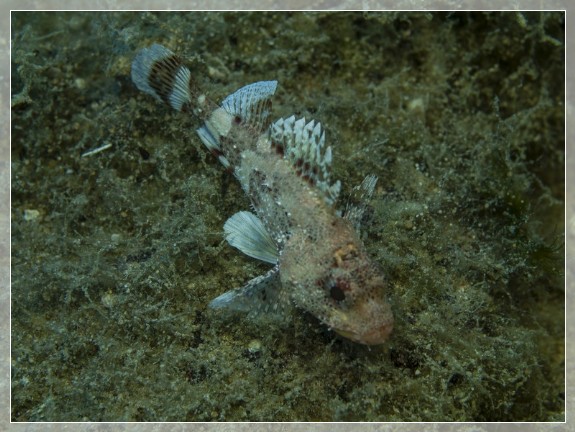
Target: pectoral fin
[
  {"x": 247, "y": 233},
  {"x": 259, "y": 294}
]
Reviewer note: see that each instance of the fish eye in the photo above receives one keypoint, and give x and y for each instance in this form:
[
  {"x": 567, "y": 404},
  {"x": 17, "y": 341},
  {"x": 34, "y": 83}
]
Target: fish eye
[{"x": 335, "y": 292}]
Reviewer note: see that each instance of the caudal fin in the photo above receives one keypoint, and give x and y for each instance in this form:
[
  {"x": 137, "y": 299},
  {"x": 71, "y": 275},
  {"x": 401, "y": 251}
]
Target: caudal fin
[{"x": 160, "y": 73}]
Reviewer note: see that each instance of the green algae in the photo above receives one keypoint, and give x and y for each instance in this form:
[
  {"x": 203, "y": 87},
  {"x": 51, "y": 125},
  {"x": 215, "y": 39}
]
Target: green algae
[{"x": 460, "y": 115}]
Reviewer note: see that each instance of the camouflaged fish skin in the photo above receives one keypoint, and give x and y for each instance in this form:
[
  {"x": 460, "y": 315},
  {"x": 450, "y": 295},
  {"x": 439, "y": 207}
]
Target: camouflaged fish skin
[{"x": 319, "y": 262}]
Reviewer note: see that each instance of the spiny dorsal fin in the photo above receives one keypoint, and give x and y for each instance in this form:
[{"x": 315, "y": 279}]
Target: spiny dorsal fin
[
  {"x": 251, "y": 104},
  {"x": 303, "y": 145}
]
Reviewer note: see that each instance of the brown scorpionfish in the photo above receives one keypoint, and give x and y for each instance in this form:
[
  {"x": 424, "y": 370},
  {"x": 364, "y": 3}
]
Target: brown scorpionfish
[{"x": 319, "y": 262}]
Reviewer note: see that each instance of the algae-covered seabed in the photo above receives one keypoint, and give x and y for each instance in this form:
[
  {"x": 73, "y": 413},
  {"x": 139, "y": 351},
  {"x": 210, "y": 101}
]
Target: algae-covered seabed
[{"x": 116, "y": 255}]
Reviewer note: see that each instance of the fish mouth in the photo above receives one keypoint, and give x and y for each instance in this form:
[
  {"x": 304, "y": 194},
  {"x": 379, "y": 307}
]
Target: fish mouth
[{"x": 374, "y": 336}]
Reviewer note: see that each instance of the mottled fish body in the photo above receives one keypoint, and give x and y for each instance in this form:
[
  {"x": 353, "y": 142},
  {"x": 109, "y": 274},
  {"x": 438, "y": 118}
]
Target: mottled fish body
[{"x": 319, "y": 262}]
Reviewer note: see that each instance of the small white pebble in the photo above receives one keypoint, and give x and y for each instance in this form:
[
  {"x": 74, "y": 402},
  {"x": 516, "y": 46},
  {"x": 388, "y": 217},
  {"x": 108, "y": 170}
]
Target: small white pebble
[
  {"x": 31, "y": 214},
  {"x": 255, "y": 346}
]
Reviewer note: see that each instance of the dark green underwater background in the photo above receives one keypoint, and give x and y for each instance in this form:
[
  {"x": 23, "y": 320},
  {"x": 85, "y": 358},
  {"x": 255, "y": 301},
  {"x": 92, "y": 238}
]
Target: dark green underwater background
[{"x": 116, "y": 255}]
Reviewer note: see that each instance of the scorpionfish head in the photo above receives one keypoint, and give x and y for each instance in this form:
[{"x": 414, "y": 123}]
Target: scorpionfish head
[{"x": 354, "y": 306}]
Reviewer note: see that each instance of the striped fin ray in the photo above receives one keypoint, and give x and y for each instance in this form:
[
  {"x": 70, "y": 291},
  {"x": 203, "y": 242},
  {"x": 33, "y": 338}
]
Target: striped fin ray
[
  {"x": 247, "y": 233},
  {"x": 242, "y": 115},
  {"x": 160, "y": 73},
  {"x": 303, "y": 144},
  {"x": 248, "y": 108},
  {"x": 251, "y": 104},
  {"x": 262, "y": 294}
]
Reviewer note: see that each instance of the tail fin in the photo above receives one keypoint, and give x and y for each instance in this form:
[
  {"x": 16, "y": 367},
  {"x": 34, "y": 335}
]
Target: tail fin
[
  {"x": 157, "y": 71},
  {"x": 160, "y": 73}
]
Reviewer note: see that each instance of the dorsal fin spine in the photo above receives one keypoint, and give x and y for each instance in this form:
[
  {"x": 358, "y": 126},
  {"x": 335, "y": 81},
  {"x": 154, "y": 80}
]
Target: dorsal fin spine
[{"x": 303, "y": 145}]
